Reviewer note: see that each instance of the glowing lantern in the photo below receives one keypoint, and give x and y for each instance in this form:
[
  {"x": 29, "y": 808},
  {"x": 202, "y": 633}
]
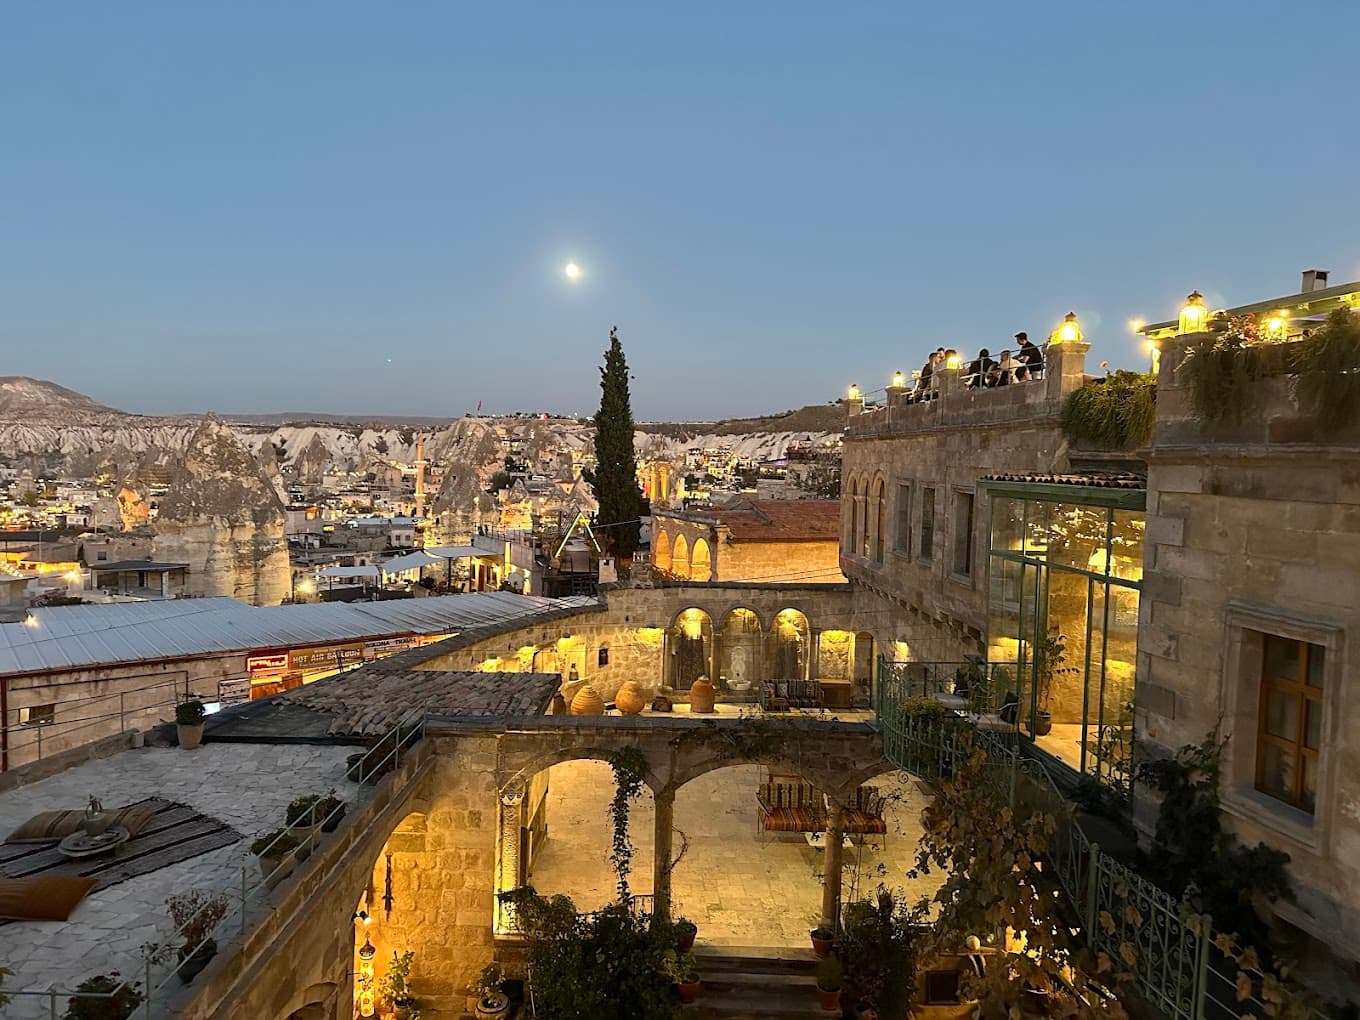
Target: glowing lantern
[
  {"x": 1068, "y": 333},
  {"x": 899, "y": 380},
  {"x": 1277, "y": 324},
  {"x": 953, "y": 361},
  {"x": 1194, "y": 315},
  {"x": 854, "y": 392}
]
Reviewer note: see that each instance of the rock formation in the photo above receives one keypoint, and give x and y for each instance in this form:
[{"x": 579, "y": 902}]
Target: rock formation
[{"x": 224, "y": 518}]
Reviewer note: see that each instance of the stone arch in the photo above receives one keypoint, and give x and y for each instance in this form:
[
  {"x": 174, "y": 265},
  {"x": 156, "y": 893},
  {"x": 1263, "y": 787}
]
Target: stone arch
[
  {"x": 689, "y": 647},
  {"x": 880, "y": 518},
  {"x": 741, "y": 648},
  {"x": 508, "y": 784},
  {"x": 790, "y": 645},
  {"x": 701, "y": 567},
  {"x": 863, "y": 548},
  {"x": 680, "y": 557},
  {"x": 661, "y": 551},
  {"x": 852, "y": 505},
  {"x": 315, "y": 1002}
]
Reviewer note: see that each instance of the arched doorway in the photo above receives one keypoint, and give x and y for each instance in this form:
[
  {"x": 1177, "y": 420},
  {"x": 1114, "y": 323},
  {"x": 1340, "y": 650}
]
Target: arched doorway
[
  {"x": 680, "y": 558},
  {"x": 661, "y": 551},
  {"x": 701, "y": 568},
  {"x": 790, "y": 645},
  {"x": 866, "y": 658},
  {"x": 689, "y": 648},
  {"x": 741, "y": 652},
  {"x": 566, "y": 835},
  {"x": 391, "y": 915}
]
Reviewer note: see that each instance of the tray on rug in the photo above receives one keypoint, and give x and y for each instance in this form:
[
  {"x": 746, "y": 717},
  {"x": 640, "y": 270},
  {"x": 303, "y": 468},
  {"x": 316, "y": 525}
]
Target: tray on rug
[{"x": 174, "y": 832}]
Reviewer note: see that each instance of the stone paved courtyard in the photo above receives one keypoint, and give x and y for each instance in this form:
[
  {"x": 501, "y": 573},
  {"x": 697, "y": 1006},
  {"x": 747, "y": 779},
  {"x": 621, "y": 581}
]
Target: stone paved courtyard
[
  {"x": 740, "y": 888},
  {"x": 247, "y": 786}
]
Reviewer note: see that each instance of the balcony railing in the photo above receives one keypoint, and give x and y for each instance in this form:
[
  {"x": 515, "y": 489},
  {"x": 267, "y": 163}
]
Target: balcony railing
[{"x": 1172, "y": 954}]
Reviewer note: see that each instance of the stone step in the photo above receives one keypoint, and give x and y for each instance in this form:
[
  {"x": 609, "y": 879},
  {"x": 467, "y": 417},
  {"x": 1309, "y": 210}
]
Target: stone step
[
  {"x": 756, "y": 1002},
  {"x": 754, "y": 960}
]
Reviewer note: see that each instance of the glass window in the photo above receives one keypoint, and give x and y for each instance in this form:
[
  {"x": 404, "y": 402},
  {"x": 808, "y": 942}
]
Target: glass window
[
  {"x": 1036, "y": 529},
  {"x": 902, "y": 541},
  {"x": 38, "y": 715},
  {"x": 927, "y": 523},
  {"x": 1008, "y": 522},
  {"x": 1127, "y": 544},
  {"x": 1290, "y": 734},
  {"x": 963, "y": 533},
  {"x": 1077, "y": 536}
]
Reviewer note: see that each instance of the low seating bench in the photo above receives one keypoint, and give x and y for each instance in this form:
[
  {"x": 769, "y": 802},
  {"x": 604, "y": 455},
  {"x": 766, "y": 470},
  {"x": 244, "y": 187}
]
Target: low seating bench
[
  {"x": 800, "y": 807},
  {"x": 782, "y": 695}
]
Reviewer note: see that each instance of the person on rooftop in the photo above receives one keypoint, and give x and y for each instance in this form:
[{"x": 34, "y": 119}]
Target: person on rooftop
[
  {"x": 1029, "y": 357},
  {"x": 924, "y": 384},
  {"x": 1005, "y": 370},
  {"x": 978, "y": 370}
]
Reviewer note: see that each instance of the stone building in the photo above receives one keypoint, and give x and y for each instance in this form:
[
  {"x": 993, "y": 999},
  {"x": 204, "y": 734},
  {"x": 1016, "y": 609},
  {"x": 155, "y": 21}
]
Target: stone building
[{"x": 762, "y": 541}]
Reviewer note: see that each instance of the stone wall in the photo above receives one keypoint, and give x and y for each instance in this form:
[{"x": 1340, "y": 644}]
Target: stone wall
[{"x": 1250, "y": 534}]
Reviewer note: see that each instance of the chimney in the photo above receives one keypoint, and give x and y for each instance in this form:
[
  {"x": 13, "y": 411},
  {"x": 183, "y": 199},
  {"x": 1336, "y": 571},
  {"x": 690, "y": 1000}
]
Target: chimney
[{"x": 1314, "y": 279}]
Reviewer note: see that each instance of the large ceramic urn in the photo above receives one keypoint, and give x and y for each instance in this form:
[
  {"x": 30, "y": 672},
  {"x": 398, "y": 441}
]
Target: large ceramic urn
[
  {"x": 630, "y": 699},
  {"x": 587, "y": 702},
  {"x": 702, "y": 695}
]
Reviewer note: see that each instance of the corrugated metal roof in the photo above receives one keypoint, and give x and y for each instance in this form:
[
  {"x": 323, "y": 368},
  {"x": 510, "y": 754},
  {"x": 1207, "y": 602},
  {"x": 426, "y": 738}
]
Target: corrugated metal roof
[{"x": 65, "y": 637}]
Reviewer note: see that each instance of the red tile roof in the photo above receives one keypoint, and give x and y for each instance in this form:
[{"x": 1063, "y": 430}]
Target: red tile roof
[{"x": 779, "y": 520}]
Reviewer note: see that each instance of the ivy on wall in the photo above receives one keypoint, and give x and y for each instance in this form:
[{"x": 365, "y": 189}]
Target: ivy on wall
[{"x": 1114, "y": 413}]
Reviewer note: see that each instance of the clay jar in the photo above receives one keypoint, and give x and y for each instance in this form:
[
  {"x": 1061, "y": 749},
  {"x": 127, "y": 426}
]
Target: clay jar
[
  {"x": 702, "y": 695},
  {"x": 587, "y": 702},
  {"x": 630, "y": 699}
]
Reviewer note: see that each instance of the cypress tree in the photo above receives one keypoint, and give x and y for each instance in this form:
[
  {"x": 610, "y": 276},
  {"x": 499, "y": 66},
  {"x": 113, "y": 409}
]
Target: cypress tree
[{"x": 615, "y": 482}]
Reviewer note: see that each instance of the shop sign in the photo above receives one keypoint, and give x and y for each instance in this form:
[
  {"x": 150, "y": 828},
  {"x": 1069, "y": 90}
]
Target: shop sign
[
  {"x": 388, "y": 646},
  {"x": 334, "y": 657},
  {"x": 267, "y": 663},
  {"x": 234, "y": 691}
]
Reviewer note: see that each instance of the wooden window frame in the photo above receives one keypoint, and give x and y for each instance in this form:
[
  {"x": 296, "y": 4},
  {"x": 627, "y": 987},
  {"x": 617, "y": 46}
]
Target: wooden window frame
[{"x": 1306, "y": 694}]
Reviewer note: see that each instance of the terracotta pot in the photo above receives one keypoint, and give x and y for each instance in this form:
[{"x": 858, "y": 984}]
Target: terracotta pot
[
  {"x": 190, "y": 737},
  {"x": 830, "y": 1001},
  {"x": 630, "y": 700},
  {"x": 685, "y": 933},
  {"x": 821, "y": 945},
  {"x": 689, "y": 990},
  {"x": 661, "y": 703},
  {"x": 587, "y": 702},
  {"x": 702, "y": 694}
]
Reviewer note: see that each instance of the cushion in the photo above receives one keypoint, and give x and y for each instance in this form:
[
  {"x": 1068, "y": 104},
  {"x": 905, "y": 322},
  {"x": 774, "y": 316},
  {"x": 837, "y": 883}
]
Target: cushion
[
  {"x": 46, "y": 827},
  {"x": 43, "y": 897},
  {"x": 135, "y": 816}
]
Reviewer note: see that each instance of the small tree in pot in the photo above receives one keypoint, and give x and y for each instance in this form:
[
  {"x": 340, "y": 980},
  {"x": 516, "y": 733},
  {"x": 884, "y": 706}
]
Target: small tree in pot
[
  {"x": 492, "y": 1002},
  {"x": 196, "y": 916},
  {"x": 829, "y": 973},
  {"x": 394, "y": 987},
  {"x": 275, "y": 851},
  {"x": 1049, "y": 656},
  {"x": 189, "y": 716}
]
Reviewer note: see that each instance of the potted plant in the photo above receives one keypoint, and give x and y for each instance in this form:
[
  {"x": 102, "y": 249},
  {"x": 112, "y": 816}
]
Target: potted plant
[
  {"x": 196, "y": 916},
  {"x": 394, "y": 987},
  {"x": 684, "y": 972},
  {"x": 492, "y": 1002},
  {"x": 685, "y": 931},
  {"x": 104, "y": 997},
  {"x": 1049, "y": 655},
  {"x": 829, "y": 973},
  {"x": 189, "y": 724},
  {"x": 275, "y": 851},
  {"x": 823, "y": 939},
  {"x": 4, "y": 973}
]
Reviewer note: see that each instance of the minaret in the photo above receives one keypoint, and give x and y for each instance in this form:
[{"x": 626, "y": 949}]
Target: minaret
[{"x": 420, "y": 474}]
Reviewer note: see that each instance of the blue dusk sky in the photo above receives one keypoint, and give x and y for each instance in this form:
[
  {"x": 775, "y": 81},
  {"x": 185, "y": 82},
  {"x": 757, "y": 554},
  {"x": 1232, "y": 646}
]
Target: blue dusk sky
[{"x": 367, "y": 207}]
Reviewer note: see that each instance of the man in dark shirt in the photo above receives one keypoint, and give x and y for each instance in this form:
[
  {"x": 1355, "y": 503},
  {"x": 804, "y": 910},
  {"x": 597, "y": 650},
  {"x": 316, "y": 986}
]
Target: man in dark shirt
[
  {"x": 979, "y": 369},
  {"x": 1030, "y": 358}
]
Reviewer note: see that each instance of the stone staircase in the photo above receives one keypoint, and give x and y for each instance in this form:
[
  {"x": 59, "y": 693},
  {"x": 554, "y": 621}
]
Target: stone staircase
[{"x": 752, "y": 982}]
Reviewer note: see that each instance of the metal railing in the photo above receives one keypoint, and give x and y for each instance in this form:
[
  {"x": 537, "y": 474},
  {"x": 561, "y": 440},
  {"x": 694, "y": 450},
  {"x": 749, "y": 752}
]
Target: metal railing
[
  {"x": 1170, "y": 951},
  {"x": 159, "y": 980}
]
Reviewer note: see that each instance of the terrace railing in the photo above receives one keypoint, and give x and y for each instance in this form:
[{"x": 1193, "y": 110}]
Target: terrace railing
[{"x": 1171, "y": 952}]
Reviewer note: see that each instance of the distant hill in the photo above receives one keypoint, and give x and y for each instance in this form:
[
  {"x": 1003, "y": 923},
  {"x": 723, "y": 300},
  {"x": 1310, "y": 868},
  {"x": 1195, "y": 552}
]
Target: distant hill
[
  {"x": 38, "y": 399},
  {"x": 322, "y": 418},
  {"x": 813, "y": 418}
]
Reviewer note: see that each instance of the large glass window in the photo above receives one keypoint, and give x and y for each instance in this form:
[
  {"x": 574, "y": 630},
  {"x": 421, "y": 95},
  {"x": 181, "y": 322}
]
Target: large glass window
[
  {"x": 1290, "y": 734},
  {"x": 927, "y": 523},
  {"x": 902, "y": 541}
]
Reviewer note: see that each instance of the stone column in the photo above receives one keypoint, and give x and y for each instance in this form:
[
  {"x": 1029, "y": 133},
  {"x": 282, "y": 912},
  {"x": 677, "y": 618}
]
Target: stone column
[
  {"x": 1064, "y": 368},
  {"x": 664, "y": 826},
  {"x": 831, "y": 863},
  {"x": 508, "y": 868}
]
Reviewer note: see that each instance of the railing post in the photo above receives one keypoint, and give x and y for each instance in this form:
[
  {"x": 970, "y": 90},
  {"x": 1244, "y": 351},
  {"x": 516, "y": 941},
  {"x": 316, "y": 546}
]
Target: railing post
[
  {"x": 1092, "y": 883},
  {"x": 243, "y": 901},
  {"x": 1202, "y": 946},
  {"x": 40, "y": 729},
  {"x": 122, "y": 722},
  {"x": 147, "y": 986},
  {"x": 52, "y": 1003}
]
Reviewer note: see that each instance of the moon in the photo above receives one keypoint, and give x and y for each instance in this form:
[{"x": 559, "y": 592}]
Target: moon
[{"x": 571, "y": 270}]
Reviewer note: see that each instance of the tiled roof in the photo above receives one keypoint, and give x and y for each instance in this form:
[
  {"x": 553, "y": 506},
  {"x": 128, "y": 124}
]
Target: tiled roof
[
  {"x": 371, "y": 700},
  {"x": 1093, "y": 479},
  {"x": 779, "y": 520}
]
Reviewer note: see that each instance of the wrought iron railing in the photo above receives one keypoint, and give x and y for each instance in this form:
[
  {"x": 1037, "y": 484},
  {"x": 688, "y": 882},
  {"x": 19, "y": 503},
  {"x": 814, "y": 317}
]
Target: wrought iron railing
[{"x": 1170, "y": 951}]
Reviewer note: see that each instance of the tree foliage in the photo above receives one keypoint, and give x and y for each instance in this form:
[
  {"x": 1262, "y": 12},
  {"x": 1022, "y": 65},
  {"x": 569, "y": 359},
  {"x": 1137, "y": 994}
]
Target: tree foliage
[
  {"x": 1328, "y": 364},
  {"x": 1114, "y": 413},
  {"x": 615, "y": 481}
]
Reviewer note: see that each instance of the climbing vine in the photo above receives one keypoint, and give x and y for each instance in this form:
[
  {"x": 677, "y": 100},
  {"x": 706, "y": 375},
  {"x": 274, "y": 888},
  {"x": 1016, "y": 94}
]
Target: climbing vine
[
  {"x": 630, "y": 766},
  {"x": 1328, "y": 364},
  {"x": 1114, "y": 413}
]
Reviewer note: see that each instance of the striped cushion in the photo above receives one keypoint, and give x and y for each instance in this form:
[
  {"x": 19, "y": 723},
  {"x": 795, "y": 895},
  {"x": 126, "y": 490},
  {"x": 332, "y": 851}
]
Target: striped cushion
[
  {"x": 43, "y": 897},
  {"x": 48, "y": 826}
]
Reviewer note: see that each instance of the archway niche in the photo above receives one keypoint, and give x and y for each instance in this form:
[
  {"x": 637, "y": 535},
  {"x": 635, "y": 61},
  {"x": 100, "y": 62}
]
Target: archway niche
[
  {"x": 866, "y": 664},
  {"x": 689, "y": 646},
  {"x": 661, "y": 551},
  {"x": 701, "y": 568},
  {"x": 741, "y": 656},
  {"x": 566, "y": 835},
  {"x": 680, "y": 558},
  {"x": 790, "y": 644},
  {"x": 392, "y": 915}
]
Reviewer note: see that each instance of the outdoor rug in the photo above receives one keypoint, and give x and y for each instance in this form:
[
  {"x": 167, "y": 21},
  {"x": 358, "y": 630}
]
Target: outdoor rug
[{"x": 172, "y": 833}]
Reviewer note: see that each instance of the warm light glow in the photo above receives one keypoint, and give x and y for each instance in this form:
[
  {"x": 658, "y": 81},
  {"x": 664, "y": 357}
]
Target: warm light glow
[
  {"x": 1277, "y": 324},
  {"x": 1067, "y": 333},
  {"x": 571, "y": 270},
  {"x": 854, "y": 391},
  {"x": 1194, "y": 315},
  {"x": 306, "y": 587},
  {"x": 1136, "y": 325},
  {"x": 899, "y": 380},
  {"x": 953, "y": 361},
  {"x": 30, "y": 620}
]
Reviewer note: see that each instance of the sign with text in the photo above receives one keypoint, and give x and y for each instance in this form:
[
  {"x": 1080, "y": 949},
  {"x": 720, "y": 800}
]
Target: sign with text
[
  {"x": 233, "y": 692},
  {"x": 333, "y": 657},
  {"x": 273, "y": 663},
  {"x": 388, "y": 646}
]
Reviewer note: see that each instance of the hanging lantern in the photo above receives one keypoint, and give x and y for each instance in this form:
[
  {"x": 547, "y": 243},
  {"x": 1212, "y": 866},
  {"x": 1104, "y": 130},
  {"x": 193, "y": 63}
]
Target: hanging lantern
[
  {"x": 899, "y": 380},
  {"x": 1194, "y": 315},
  {"x": 853, "y": 395},
  {"x": 1068, "y": 333}
]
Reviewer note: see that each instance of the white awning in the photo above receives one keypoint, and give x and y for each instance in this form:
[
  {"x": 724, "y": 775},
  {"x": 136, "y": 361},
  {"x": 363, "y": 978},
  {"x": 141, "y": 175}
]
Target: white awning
[
  {"x": 350, "y": 572},
  {"x": 460, "y": 552},
  {"x": 411, "y": 561}
]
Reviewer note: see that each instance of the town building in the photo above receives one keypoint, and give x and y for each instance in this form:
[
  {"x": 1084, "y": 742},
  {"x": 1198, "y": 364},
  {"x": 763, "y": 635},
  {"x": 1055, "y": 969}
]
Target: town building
[{"x": 763, "y": 541}]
